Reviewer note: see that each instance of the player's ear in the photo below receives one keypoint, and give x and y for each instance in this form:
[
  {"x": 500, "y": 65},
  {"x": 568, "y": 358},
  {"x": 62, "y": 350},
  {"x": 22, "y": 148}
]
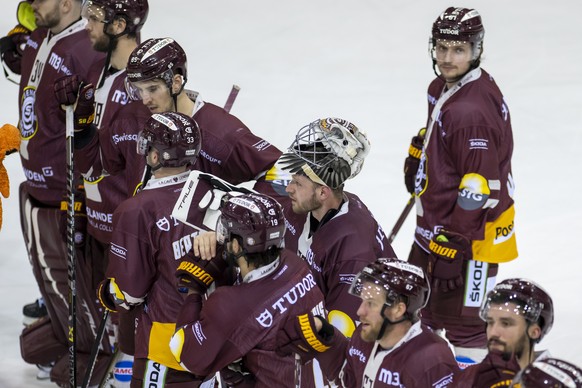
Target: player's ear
[
  {"x": 534, "y": 331},
  {"x": 177, "y": 82},
  {"x": 119, "y": 25}
]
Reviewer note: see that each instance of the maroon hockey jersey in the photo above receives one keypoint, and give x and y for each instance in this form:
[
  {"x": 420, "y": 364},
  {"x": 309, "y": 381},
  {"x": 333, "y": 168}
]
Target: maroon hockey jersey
[
  {"x": 464, "y": 181},
  {"x": 110, "y": 165},
  {"x": 229, "y": 149},
  {"x": 337, "y": 251},
  {"x": 420, "y": 359},
  {"x": 46, "y": 58},
  {"x": 146, "y": 248},
  {"x": 243, "y": 321}
]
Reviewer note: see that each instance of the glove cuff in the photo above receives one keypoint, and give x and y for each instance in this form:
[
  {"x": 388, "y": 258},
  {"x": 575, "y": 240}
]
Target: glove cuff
[
  {"x": 105, "y": 298},
  {"x": 309, "y": 335},
  {"x": 197, "y": 272}
]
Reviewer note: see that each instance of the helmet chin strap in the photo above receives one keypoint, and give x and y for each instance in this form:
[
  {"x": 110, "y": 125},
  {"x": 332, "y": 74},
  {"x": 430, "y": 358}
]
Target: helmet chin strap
[
  {"x": 112, "y": 46},
  {"x": 231, "y": 257},
  {"x": 387, "y": 322},
  {"x": 175, "y": 95}
]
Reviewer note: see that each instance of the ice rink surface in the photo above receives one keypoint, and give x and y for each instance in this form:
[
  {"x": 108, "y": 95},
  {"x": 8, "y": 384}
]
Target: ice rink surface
[{"x": 367, "y": 61}]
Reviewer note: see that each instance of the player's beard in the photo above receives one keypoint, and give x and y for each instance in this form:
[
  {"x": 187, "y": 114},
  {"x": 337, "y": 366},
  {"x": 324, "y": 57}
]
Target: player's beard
[
  {"x": 103, "y": 44},
  {"x": 49, "y": 20},
  {"x": 520, "y": 347},
  {"x": 308, "y": 206},
  {"x": 371, "y": 334}
]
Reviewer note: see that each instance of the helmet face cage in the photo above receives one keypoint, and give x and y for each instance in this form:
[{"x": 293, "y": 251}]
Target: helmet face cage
[
  {"x": 157, "y": 58},
  {"x": 400, "y": 280},
  {"x": 521, "y": 297},
  {"x": 549, "y": 372},
  {"x": 175, "y": 136},
  {"x": 135, "y": 12},
  {"x": 324, "y": 150},
  {"x": 257, "y": 219},
  {"x": 458, "y": 25}
]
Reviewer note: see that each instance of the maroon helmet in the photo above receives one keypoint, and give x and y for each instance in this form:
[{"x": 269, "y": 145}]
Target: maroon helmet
[
  {"x": 528, "y": 299},
  {"x": 257, "y": 219},
  {"x": 549, "y": 373},
  {"x": 462, "y": 24},
  {"x": 399, "y": 279},
  {"x": 135, "y": 12},
  {"x": 458, "y": 24},
  {"x": 176, "y": 136},
  {"x": 157, "y": 58}
]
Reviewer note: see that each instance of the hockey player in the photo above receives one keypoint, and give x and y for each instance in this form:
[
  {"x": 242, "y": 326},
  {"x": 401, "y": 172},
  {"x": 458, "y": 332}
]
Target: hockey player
[
  {"x": 59, "y": 46},
  {"x": 105, "y": 148},
  {"x": 390, "y": 347},
  {"x": 147, "y": 246},
  {"x": 549, "y": 372},
  {"x": 338, "y": 236},
  {"x": 274, "y": 284},
  {"x": 518, "y": 314},
  {"x": 463, "y": 184},
  {"x": 157, "y": 73}
]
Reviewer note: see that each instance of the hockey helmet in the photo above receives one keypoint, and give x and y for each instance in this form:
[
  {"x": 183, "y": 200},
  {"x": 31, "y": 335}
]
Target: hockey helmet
[
  {"x": 157, "y": 58},
  {"x": 257, "y": 219},
  {"x": 176, "y": 136},
  {"x": 521, "y": 297},
  {"x": 135, "y": 12},
  {"x": 549, "y": 373},
  {"x": 401, "y": 281},
  {"x": 459, "y": 24}
]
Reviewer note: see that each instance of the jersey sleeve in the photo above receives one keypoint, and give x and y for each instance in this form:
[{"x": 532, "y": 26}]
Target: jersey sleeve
[
  {"x": 203, "y": 345},
  {"x": 252, "y": 155},
  {"x": 361, "y": 244},
  {"x": 474, "y": 152},
  {"x": 131, "y": 251}
]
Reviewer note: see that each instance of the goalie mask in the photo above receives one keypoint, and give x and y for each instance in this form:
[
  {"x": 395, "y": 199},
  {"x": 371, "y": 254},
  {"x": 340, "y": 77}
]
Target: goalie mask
[
  {"x": 521, "y": 297},
  {"x": 257, "y": 219},
  {"x": 328, "y": 151}
]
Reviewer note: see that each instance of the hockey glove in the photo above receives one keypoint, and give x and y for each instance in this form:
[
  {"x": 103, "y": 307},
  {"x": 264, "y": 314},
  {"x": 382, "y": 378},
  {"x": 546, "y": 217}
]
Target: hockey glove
[
  {"x": 12, "y": 47},
  {"x": 71, "y": 90},
  {"x": 412, "y": 162},
  {"x": 107, "y": 288},
  {"x": 496, "y": 370},
  {"x": 448, "y": 252},
  {"x": 80, "y": 216},
  {"x": 197, "y": 275},
  {"x": 237, "y": 375},
  {"x": 300, "y": 336}
]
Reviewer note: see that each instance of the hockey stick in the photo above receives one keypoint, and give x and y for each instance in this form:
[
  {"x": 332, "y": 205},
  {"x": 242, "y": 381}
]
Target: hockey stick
[
  {"x": 401, "y": 219},
  {"x": 71, "y": 265},
  {"x": 231, "y": 97},
  {"x": 95, "y": 349}
]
